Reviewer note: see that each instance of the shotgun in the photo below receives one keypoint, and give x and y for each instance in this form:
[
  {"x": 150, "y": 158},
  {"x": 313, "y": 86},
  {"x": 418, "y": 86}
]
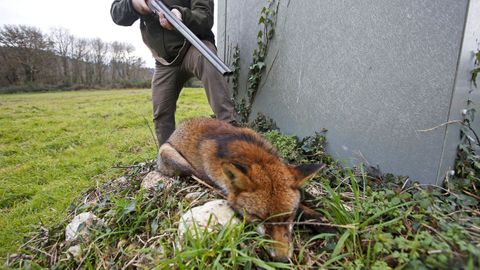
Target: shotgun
[{"x": 157, "y": 6}]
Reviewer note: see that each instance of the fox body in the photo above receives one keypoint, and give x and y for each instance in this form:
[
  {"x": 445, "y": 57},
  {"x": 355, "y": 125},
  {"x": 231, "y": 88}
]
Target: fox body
[{"x": 256, "y": 181}]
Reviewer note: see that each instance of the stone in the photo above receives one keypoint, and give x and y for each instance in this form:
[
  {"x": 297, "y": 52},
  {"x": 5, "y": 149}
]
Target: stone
[
  {"x": 82, "y": 225},
  {"x": 190, "y": 197},
  {"x": 75, "y": 252},
  {"x": 153, "y": 179},
  {"x": 218, "y": 212},
  {"x": 120, "y": 181}
]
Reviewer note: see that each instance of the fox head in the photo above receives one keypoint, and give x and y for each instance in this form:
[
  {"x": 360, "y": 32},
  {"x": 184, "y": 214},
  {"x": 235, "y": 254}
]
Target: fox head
[{"x": 268, "y": 192}]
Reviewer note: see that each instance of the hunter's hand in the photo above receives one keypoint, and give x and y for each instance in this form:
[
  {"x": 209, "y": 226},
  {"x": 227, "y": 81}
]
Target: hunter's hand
[
  {"x": 165, "y": 23},
  {"x": 141, "y": 6}
]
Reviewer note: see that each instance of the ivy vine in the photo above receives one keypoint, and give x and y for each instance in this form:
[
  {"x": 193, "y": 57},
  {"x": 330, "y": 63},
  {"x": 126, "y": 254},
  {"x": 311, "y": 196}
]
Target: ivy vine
[
  {"x": 467, "y": 164},
  {"x": 236, "y": 72},
  {"x": 243, "y": 106}
]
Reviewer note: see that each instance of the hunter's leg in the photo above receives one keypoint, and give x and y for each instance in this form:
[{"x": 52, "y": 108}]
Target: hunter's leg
[
  {"x": 166, "y": 87},
  {"x": 215, "y": 84}
]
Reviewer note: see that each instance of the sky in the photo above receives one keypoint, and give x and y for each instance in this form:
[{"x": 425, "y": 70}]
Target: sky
[{"x": 83, "y": 18}]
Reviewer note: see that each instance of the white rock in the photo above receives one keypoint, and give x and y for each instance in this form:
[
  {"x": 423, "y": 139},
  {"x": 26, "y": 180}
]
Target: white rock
[
  {"x": 120, "y": 181},
  {"x": 75, "y": 252},
  {"x": 81, "y": 226},
  {"x": 219, "y": 211},
  {"x": 193, "y": 196},
  {"x": 151, "y": 181}
]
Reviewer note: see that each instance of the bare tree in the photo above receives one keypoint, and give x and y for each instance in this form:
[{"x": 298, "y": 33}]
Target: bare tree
[
  {"x": 99, "y": 57},
  {"x": 28, "y": 56},
  {"x": 79, "y": 54},
  {"x": 8, "y": 69},
  {"x": 27, "y": 46},
  {"x": 122, "y": 61},
  {"x": 63, "y": 45},
  {"x": 116, "y": 52}
]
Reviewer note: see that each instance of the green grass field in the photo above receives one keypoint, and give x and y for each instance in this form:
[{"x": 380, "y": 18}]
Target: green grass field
[{"x": 53, "y": 146}]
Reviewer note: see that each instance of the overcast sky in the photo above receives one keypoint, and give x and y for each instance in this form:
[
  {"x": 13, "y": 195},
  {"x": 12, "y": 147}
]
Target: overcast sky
[{"x": 84, "y": 18}]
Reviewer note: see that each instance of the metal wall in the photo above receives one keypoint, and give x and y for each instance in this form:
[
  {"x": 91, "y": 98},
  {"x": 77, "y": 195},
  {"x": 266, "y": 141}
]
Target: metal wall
[
  {"x": 464, "y": 89},
  {"x": 374, "y": 73}
]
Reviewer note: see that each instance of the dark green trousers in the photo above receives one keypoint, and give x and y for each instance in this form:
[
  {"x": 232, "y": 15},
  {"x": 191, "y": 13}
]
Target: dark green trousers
[{"x": 168, "y": 81}]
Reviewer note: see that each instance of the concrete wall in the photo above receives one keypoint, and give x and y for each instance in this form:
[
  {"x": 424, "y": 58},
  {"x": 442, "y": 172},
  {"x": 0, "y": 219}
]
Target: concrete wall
[{"x": 374, "y": 73}]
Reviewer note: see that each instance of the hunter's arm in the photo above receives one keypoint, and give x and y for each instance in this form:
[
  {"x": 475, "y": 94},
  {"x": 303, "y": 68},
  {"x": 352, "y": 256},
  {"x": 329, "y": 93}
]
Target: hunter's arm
[
  {"x": 123, "y": 13},
  {"x": 198, "y": 18}
]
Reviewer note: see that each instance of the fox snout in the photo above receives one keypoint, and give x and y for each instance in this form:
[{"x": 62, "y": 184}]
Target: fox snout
[{"x": 281, "y": 249}]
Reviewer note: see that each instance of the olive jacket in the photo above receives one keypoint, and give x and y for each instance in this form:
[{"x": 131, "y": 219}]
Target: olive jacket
[{"x": 168, "y": 46}]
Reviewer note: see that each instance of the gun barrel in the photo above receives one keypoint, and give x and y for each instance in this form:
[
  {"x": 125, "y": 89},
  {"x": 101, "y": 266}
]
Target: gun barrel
[{"x": 157, "y": 6}]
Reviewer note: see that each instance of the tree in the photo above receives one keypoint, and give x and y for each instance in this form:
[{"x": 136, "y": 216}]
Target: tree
[
  {"x": 99, "y": 57},
  {"x": 63, "y": 45},
  {"x": 30, "y": 57},
  {"x": 79, "y": 54},
  {"x": 27, "y": 48}
]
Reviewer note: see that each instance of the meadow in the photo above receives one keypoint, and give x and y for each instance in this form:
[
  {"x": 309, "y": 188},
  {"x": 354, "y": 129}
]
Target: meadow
[{"x": 54, "y": 146}]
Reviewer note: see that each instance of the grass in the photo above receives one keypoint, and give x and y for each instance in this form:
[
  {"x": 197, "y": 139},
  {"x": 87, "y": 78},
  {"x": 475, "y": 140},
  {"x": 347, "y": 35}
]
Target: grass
[{"x": 53, "y": 146}]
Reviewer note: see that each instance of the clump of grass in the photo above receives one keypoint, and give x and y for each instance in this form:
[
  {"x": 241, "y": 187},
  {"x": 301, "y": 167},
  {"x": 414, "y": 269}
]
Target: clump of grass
[
  {"x": 236, "y": 246},
  {"x": 407, "y": 228}
]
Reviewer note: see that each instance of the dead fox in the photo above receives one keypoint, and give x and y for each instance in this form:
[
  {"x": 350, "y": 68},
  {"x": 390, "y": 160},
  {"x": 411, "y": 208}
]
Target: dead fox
[{"x": 256, "y": 181}]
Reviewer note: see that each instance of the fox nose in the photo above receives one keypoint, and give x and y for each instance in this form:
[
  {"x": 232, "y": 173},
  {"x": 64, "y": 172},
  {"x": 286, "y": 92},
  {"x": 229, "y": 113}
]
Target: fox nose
[
  {"x": 280, "y": 254},
  {"x": 283, "y": 259},
  {"x": 278, "y": 258}
]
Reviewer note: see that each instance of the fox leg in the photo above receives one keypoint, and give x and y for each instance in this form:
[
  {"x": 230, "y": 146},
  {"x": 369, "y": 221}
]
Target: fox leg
[{"x": 171, "y": 163}]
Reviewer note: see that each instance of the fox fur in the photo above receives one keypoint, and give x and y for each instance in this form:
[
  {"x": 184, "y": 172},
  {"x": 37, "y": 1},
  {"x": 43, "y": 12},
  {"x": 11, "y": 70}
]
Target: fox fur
[{"x": 256, "y": 181}]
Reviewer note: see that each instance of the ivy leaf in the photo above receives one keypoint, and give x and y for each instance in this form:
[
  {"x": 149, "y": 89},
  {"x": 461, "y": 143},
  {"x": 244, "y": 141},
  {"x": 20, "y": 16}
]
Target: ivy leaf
[
  {"x": 270, "y": 33},
  {"x": 261, "y": 65},
  {"x": 474, "y": 76},
  {"x": 477, "y": 164},
  {"x": 261, "y": 20},
  {"x": 260, "y": 34},
  {"x": 471, "y": 113}
]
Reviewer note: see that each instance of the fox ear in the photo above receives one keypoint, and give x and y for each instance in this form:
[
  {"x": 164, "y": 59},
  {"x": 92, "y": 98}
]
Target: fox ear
[
  {"x": 237, "y": 174},
  {"x": 304, "y": 172}
]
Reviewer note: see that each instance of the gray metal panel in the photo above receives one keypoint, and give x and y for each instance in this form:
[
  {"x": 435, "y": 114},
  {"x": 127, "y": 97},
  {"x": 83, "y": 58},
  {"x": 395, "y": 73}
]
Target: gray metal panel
[
  {"x": 464, "y": 89},
  {"x": 372, "y": 72}
]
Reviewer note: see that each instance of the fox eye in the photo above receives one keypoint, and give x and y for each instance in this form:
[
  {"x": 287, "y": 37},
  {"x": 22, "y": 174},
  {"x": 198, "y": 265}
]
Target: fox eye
[
  {"x": 230, "y": 175},
  {"x": 254, "y": 217},
  {"x": 241, "y": 167}
]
